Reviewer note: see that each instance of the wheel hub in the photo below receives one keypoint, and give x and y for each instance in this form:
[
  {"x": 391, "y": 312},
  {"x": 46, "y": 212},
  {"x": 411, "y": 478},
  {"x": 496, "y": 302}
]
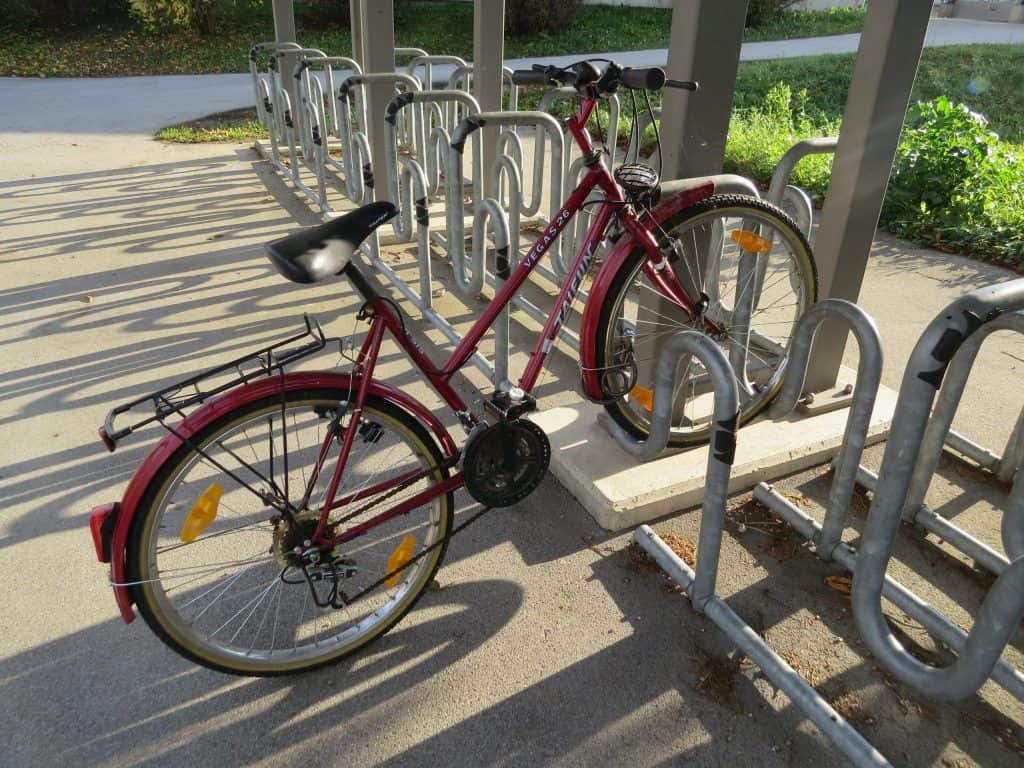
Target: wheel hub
[{"x": 290, "y": 546}]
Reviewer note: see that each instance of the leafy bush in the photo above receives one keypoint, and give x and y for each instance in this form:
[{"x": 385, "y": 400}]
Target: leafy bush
[
  {"x": 955, "y": 185},
  {"x": 760, "y": 135},
  {"x": 759, "y": 12},
  {"x": 323, "y": 13},
  {"x": 539, "y": 16},
  {"x": 59, "y": 14},
  {"x": 203, "y": 16}
]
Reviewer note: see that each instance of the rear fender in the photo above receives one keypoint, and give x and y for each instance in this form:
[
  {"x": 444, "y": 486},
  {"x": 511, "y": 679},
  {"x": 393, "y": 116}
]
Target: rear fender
[
  {"x": 684, "y": 194},
  {"x": 214, "y": 409}
]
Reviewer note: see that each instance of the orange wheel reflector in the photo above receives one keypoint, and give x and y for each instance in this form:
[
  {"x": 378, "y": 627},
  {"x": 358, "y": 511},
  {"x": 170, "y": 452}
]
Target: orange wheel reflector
[
  {"x": 751, "y": 241},
  {"x": 202, "y": 514},
  {"x": 398, "y": 558},
  {"x": 644, "y": 396}
]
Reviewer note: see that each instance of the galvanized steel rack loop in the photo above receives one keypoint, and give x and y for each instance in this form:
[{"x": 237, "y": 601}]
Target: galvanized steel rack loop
[
  {"x": 979, "y": 652},
  {"x": 941, "y": 359},
  {"x": 938, "y": 434},
  {"x": 699, "y": 585}
]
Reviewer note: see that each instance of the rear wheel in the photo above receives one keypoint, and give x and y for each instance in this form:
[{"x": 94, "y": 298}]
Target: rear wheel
[
  {"x": 218, "y": 576},
  {"x": 753, "y": 270}
]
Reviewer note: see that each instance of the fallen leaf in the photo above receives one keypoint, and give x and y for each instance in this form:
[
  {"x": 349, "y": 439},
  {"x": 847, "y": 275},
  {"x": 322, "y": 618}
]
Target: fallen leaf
[{"x": 842, "y": 584}]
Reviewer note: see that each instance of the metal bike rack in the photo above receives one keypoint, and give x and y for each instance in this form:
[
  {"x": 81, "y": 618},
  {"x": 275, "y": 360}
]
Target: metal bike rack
[
  {"x": 356, "y": 142},
  {"x": 409, "y": 189},
  {"x": 957, "y": 331},
  {"x": 938, "y": 434},
  {"x": 461, "y": 78},
  {"x": 319, "y": 120},
  {"x": 427, "y": 63},
  {"x": 303, "y": 131},
  {"x": 792, "y": 199},
  {"x": 265, "y": 85},
  {"x": 980, "y": 650},
  {"x": 503, "y": 183},
  {"x": 699, "y": 585}
]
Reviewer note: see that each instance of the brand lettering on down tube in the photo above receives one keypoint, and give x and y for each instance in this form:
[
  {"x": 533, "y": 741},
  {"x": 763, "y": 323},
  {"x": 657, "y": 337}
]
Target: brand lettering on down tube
[{"x": 549, "y": 237}]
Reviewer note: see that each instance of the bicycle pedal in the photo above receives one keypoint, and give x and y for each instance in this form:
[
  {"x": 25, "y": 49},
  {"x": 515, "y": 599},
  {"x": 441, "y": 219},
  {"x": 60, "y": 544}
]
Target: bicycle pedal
[
  {"x": 511, "y": 404},
  {"x": 371, "y": 431}
]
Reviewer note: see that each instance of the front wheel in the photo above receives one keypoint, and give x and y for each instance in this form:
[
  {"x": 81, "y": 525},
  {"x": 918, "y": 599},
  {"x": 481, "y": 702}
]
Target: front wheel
[
  {"x": 215, "y": 567},
  {"x": 751, "y": 269}
]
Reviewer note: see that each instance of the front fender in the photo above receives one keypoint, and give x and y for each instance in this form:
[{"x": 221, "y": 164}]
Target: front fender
[
  {"x": 214, "y": 409},
  {"x": 684, "y": 194}
]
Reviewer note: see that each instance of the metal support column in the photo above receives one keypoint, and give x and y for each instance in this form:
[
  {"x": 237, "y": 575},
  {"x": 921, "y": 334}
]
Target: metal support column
[
  {"x": 887, "y": 59},
  {"x": 377, "y": 30},
  {"x": 704, "y": 46},
  {"x": 284, "y": 32},
  {"x": 488, "y": 52},
  {"x": 356, "y": 26}
]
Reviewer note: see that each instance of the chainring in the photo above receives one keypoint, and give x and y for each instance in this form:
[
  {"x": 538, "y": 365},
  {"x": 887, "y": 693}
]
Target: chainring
[{"x": 503, "y": 463}]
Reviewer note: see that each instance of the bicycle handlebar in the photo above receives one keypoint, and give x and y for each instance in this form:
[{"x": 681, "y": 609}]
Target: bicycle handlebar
[
  {"x": 529, "y": 77},
  {"x": 584, "y": 74},
  {"x": 643, "y": 79}
]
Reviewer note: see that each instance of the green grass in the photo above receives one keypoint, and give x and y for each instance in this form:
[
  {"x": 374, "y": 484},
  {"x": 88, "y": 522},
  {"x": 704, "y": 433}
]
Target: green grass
[
  {"x": 985, "y": 77},
  {"x": 238, "y": 125},
  {"x": 124, "y": 49},
  {"x": 794, "y": 24}
]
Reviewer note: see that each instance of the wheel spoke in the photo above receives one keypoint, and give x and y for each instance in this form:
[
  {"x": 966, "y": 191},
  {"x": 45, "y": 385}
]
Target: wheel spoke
[
  {"x": 233, "y": 593},
  {"x": 783, "y": 276}
]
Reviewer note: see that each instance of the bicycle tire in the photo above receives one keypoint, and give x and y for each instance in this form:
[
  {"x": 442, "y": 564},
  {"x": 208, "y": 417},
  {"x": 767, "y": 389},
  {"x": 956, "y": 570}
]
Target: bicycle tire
[
  {"x": 189, "y": 631},
  {"x": 612, "y": 328}
]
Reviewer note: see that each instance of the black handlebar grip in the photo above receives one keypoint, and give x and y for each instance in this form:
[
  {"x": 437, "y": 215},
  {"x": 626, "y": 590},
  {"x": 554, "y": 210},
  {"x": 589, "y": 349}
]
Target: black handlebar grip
[
  {"x": 686, "y": 85},
  {"x": 648, "y": 78},
  {"x": 529, "y": 77}
]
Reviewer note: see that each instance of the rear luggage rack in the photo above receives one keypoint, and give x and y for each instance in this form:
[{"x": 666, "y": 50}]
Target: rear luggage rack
[{"x": 176, "y": 398}]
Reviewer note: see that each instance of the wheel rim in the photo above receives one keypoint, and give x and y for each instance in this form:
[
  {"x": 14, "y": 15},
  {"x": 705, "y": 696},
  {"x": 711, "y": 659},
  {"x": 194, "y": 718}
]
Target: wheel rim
[
  {"x": 222, "y": 597},
  {"x": 641, "y": 318}
]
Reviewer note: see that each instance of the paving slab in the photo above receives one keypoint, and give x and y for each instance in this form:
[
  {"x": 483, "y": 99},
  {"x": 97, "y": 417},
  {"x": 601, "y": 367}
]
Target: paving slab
[{"x": 619, "y": 492}]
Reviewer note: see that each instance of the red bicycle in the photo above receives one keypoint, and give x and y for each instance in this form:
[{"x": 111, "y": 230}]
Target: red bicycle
[{"x": 287, "y": 519}]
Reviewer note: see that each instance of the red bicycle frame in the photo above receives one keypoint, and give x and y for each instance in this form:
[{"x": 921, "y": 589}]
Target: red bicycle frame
[
  {"x": 385, "y": 316},
  {"x": 111, "y": 523}
]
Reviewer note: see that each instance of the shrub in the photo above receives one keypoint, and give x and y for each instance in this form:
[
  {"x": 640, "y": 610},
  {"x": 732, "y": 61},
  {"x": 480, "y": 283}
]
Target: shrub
[
  {"x": 323, "y": 13},
  {"x": 760, "y": 135},
  {"x": 543, "y": 16},
  {"x": 59, "y": 14},
  {"x": 203, "y": 16},
  {"x": 759, "y": 12},
  {"x": 955, "y": 185}
]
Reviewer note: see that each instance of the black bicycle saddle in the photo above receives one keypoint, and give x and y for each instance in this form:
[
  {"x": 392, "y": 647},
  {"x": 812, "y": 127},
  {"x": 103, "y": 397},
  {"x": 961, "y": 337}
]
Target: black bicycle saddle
[{"x": 316, "y": 253}]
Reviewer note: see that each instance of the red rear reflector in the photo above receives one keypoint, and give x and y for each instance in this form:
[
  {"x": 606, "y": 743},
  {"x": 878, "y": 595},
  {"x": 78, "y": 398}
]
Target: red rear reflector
[{"x": 101, "y": 524}]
